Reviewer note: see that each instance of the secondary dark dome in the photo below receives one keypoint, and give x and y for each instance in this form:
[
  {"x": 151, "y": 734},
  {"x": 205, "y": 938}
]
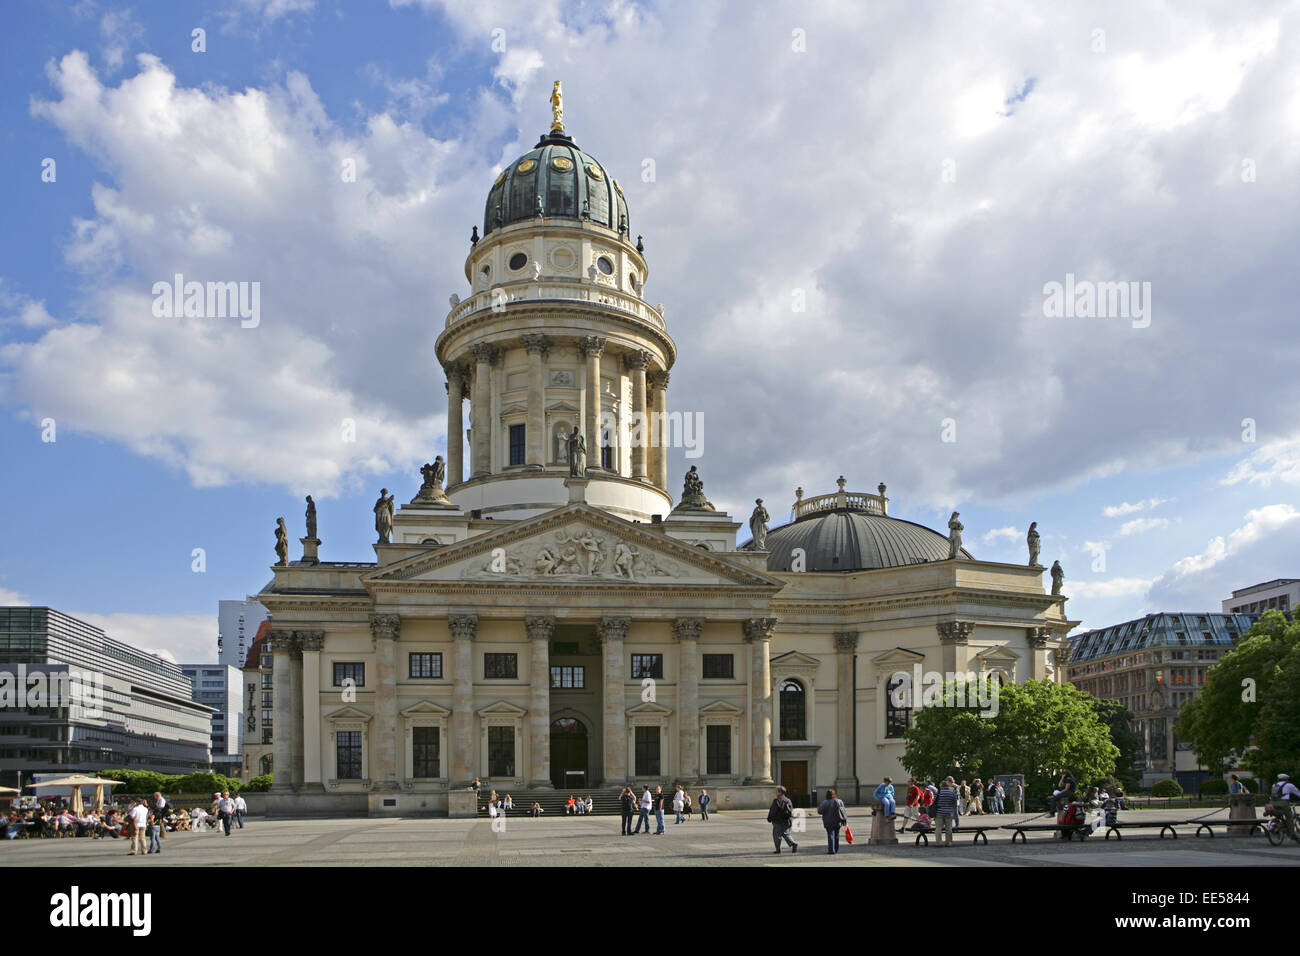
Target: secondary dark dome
[
  {"x": 845, "y": 539},
  {"x": 571, "y": 184}
]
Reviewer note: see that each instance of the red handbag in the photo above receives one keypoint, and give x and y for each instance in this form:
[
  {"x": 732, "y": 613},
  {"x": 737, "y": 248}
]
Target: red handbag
[{"x": 848, "y": 834}]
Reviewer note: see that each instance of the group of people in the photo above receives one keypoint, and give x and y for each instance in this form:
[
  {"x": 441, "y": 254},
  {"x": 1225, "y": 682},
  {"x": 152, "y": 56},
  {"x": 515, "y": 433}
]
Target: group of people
[
  {"x": 641, "y": 807},
  {"x": 139, "y": 819},
  {"x": 579, "y": 806},
  {"x": 834, "y": 818},
  {"x": 498, "y": 805}
]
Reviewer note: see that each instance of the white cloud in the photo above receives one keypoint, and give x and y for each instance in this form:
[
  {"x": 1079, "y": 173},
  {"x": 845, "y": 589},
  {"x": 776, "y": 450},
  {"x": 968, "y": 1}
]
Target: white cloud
[
  {"x": 10, "y": 598},
  {"x": 118, "y": 30},
  {"x": 1275, "y": 461},
  {"x": 1143, "y": 525},
  {"x": 1010, "y": 532},
  {"x": 1127, "y": 508},
  {"x": 1110, "y": 588},
  {"x": 181, "y": 638},
  {"x": 1259, "y": 550}
]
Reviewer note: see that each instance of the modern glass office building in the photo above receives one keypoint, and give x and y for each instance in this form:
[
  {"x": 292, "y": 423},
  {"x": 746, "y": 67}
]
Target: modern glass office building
[{"x": 138, "y": 713}]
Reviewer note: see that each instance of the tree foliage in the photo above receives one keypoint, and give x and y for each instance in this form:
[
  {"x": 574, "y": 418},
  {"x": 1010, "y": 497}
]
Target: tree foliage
[
  {"x": 1040, "y": 729},
  {"x": 260, "y": 784},
  {"x": 1119, "y": 720}
]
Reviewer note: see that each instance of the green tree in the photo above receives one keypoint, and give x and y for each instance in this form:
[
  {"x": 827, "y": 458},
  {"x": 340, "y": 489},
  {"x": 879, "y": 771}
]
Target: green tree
[
  {"x": 1120, "y": 723},
  {"x": 1249, "y": 700},
  {"x": 1040, "y": 729},
  {"x": 260, "y": 784}
]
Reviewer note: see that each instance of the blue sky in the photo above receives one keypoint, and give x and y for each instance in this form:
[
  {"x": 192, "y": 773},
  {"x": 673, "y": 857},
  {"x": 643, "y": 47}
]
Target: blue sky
[{"x": 916, "y": 187}]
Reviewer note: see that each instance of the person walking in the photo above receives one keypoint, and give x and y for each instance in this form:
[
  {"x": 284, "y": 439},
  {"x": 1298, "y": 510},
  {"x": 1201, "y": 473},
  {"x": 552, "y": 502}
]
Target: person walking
[
  {"x": 912, "y": 807},
  {"x": 139, "y": 816},
  {"x": 241, "y": 807},
  {"x": 226, "y": 811},
  {"x": 659, "y": 811},
  {"x": 781, "y": 814},
  {"x": 647, "y": 801},
  {"x": 833, "y": 817},
  {"x": 627, "y": 809},
  {"x": 963, "y": 796},
  {"x": 704, "y": 802},
  {"x": 679, "y": 804},
  {"x": 945, "y": 812}
]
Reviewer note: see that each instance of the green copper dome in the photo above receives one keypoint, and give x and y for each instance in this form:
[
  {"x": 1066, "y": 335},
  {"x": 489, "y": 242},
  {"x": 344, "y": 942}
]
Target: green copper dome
[{"x": 570, "y": 184}]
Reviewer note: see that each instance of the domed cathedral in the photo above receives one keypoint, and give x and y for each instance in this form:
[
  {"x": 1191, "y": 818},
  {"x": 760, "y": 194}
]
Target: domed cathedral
[{"x": 545, "y": 619}]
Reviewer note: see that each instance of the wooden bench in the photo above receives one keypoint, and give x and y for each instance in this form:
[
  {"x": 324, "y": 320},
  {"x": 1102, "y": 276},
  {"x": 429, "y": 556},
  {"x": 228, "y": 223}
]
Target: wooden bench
[
  {"x": 923, "y": 836},
  {"x": 1164, "y": 825},
  {"x": 1209, "y": 825}
]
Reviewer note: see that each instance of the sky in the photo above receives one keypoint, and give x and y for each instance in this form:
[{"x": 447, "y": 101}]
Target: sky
[{"x": 854, "y": 215}]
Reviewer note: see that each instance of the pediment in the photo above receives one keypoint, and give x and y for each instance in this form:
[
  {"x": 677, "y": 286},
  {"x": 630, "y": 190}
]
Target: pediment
[
  {"x": 649, "y": 709},
  {"x": 501, "y": 708},
  {"x": 347, "y": 713},
  {"x": 574, "y": 545},
  {"x": 897, "y": 657},
  {"x": 997, "y": 655},
  {"x": 426, "y": 708},
  {"x": 721, "y": 708},
  {"x": 795, "y": 659},
  {"x": 562, "y": 407}
]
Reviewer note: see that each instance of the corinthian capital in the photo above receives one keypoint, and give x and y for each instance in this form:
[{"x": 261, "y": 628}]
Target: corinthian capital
[
  {"x": 539, "y": 627},
  {"x": 385, "y": 627},
  {"x": 463, "y": 626},
  {"x": 483, "y": 352},
  {"x": 846, "y": 641},
  {"x": 954, "y": 632},
  {"x": 759, "y": 628},
  {"x": 536, "y": 344},
  {"x": 310, "y": 640},
  {"x": 281, "y": 641},
  {"x": 638, "y": 360},
  {"x": 592, "y": 345},
  {"x": 688, "y": 628},
  {"x": 658, "y": 380},
  {"x": 614, "y": 628},
  {"x": 1037, "y": 636}
]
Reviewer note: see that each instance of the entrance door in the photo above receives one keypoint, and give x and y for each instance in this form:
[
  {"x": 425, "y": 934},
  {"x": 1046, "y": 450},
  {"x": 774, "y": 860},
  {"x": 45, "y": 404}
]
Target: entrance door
[
  {"x": 794, "y": 777},
  {"x": 569, "y": 754}
]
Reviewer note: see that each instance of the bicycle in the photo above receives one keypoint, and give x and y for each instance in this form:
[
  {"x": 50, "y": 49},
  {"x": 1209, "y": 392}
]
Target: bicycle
[{"x": 1282, "y": 823}]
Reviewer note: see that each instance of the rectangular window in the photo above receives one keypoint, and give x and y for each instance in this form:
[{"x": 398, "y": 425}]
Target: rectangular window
[
  {"x": 896, "y": 718},
  {"x": 719, "y": 666},
  {"x": 606, "y": 452},
  {"x": 501, "y": 666},
  {"x": 717, "y": 749},
  {"x": 344, "y": 671},
  {"x": 517, "y": 445},
  {"x": 425, "y": 665},
  {"x": 647, "y": 751},
  {"x": 501, "y": 751},
  {"x": 564, "y": 677},
  {"x": 647, "y": 665},
  {"x": 348, "y": 749},
  {"x": 425, "y": 751}
]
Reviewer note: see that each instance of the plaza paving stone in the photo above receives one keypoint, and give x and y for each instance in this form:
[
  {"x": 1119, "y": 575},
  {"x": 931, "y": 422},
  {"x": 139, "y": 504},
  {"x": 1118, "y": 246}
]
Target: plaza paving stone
[{"x": 740, "y": 838}]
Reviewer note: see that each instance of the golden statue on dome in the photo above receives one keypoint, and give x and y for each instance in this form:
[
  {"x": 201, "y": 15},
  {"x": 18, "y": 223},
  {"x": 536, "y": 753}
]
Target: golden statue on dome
[{"x": 557, "y": 108}]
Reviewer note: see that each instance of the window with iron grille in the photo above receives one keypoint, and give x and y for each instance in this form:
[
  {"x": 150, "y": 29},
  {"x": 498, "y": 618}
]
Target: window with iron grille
[
  {"x": 794, "y": 718},
  {"x": 565, "y": 677},
  {"x": 501, "y": 666},
  {"x": 425, "y": 665},
  {"x": 647, "y": 665},
  {"x": 719, "y": 666},
  {"x": 897, "y": 718},
  {"x": 425, "y": 751},
  {"x": 348, "y": 751}
]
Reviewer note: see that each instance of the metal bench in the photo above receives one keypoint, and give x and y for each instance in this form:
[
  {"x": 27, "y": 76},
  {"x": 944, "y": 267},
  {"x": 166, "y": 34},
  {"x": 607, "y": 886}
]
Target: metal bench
[
  {"x": 1069, "y": 829},
  {"x": 1209, "y": 825},
  {"x": 923, "y": 836},
  {"x": 1144, "y": 824}
]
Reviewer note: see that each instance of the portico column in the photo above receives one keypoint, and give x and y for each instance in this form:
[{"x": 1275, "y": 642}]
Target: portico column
[
  {"x": 281, "y": 734},
  {"x": 758, "y": 632},
  {"x": 1036, "y": 637},
  {"x": 592, "y": 346},
  {"x": 658, "y": 383},
  {"x": 953, "y": 637},
  {"x": 536, "y": 345},
  {"x": 480, "y": 409},
  {"x": 385, "y": 629},
  {"x": 846, "y": 643},
  {"x": 311, "y": 642},
  {"x": 687, "y": 631},
  {"x": 295, "y": 716},
  {"x": 539, "y": 701},
  {"x": 455, "y": 425},
  {"x": 613, "y": 632},
  {"x": 637, "y": 363},
  {"x": 463, "y": 627}
]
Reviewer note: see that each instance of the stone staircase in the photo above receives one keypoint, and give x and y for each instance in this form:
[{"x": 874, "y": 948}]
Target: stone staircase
[{"x": 605, "y": 800}]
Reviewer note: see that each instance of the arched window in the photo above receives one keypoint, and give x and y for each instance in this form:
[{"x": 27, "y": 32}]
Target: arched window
[
  {"x": 794, "y": 717},
  {"x": 606, "y": 451}
]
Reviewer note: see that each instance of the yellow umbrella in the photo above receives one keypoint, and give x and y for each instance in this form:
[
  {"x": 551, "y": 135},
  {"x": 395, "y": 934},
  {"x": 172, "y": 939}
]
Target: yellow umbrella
[
  {"x": 78, "y": 808},
  {"x": 75, "y": 782}
]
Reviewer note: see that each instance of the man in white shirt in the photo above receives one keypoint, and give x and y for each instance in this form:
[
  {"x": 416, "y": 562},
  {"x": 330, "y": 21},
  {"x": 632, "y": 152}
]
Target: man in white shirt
[
  {"x": 140, "y": 820},
  {"x": 647, "y": 802},
  {"x": 240, "y": 809},
  {"x": 226, "y": 811},
  {"x": 679, "y": 803}
]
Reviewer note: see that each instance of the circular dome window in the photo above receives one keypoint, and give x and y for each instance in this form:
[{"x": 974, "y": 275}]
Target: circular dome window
[
  {"x": 518, "y": 261},
  {"x": 605, "y": 265}
]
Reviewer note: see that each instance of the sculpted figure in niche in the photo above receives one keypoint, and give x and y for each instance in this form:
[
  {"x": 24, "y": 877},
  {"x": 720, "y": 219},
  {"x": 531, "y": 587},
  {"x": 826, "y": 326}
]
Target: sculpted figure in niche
[{"x": 577, "y": 448}]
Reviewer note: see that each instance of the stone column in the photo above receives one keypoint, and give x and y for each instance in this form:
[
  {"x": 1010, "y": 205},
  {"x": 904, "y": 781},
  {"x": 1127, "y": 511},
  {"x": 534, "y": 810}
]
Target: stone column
[
  {"x": 637, "y": 363},
  {"x": 658, "y": 382},
  {"x": 591, "y": 347},
  {"x": 613, "y": 632},
  {"x": 537, "y": 347},
  {"x": 455, "y": 425},
  {"x": 281, "y": 731},
  {"x": 539, "y": 701},
  {"x": 385, "y": 630},
  {"x": 1036, "y": 637},
  {"x": 311, "y": 642},
  {"x": 758, "y": 632},
  {"x": 846, "y": 643},
  {"x": 463, "y": 746},
  {"x": 687, "y": 630},
  {"x": 481, "y": 409},
  {"x": 954, "y": 637},
  {"x": 295, "y": 716}
]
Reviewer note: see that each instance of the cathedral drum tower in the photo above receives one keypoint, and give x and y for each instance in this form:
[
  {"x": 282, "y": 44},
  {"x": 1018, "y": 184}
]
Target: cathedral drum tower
[{"x": 555, "y": 336}]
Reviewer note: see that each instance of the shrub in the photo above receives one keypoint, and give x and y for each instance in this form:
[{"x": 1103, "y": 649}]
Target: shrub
[
  {"x": 260, "y": 784},
  {"x": 1215, "y": 786},
  {"x": 1167, "y": 788}
]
